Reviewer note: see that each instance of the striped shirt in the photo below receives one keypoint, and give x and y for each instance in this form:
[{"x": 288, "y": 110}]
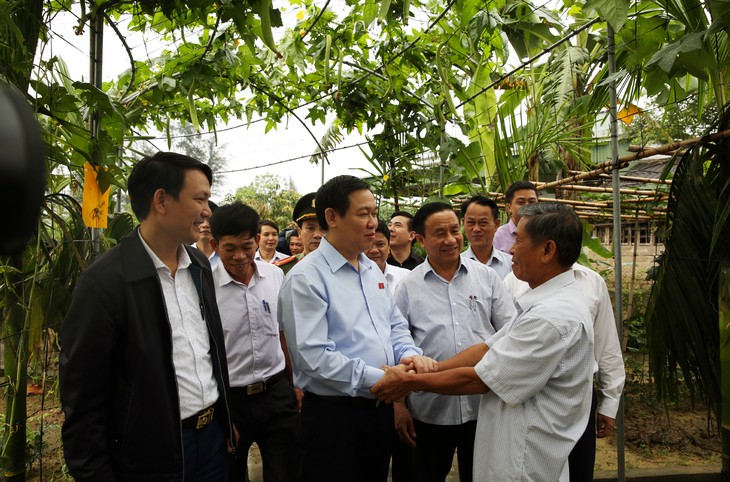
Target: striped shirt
[
  {"x": 446, "y": 317},
  {"x": 498, "y": 261}
]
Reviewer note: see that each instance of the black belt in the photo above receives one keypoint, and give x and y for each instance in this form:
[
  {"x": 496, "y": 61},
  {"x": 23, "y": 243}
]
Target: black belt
[
  {"x": 354, "y": 402},
  {"x": 259, "y": 387},
  {"x": 200, "y": 420}
]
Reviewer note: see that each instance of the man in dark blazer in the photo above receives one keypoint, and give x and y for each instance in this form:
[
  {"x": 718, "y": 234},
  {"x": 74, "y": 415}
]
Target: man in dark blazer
[{"x": 143, "y": 376}]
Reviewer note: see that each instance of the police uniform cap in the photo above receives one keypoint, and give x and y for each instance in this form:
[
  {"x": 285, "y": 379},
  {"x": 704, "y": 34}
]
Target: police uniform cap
[{"x": 304, "y": 209}]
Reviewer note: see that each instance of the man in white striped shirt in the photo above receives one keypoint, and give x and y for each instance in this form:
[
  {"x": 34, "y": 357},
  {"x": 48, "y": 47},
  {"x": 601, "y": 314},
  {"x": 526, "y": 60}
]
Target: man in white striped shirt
[
  {"x": 450, "y": 303},
  {"x": 536, "y": 371},
  {"x": 263, "y": 403}
]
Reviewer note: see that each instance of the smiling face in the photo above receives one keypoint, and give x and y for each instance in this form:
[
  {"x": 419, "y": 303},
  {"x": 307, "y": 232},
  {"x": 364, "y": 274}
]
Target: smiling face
[
  {"x": 480, "y": 226},
  {"x": 236, "y": 253},
  {"x": 184, "y": 216},
  {"x": 311, "y": 235},
  {"x": 269, "y": 238},
  {"x": 379, "y": 251},
  {"x": 442, "y": 238}
]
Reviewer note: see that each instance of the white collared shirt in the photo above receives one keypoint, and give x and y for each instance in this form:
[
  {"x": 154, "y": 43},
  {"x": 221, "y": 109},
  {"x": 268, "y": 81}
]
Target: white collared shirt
[
  {"x": 277, "y": 257},
  {"x": 608, "y": 358},
  {"x": 250, "y": 328},
  {"x": 196, "y": 386},
  {"x": 394, "y": 275},
  {"x": 499, "y": 261},
  {"x": 538, "y": 370}
]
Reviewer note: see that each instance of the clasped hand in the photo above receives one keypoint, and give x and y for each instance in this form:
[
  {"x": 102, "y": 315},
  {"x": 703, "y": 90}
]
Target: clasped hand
[{"x": 396, "y": 383}]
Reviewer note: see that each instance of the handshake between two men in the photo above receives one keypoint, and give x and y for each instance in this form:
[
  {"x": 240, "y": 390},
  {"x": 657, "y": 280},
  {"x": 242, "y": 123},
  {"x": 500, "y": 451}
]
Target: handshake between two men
[{"x": 455, "y": 376}]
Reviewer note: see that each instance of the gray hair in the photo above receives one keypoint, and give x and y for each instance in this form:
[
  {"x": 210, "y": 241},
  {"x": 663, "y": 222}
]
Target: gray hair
[{"x": 557, "y": 222}]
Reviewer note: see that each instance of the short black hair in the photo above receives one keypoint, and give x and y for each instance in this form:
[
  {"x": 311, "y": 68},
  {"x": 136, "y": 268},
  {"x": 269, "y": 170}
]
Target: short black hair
[
  {"x": 517, "y": 186},
  {"x": 383, "y": 229},
  {"x": 233, "y": 220},
  {"x": 425, "y": 211},
  {"x": 268, "y": 222},
  {"x": 558, "y": 222},
  {"x": 404, "y": 214},
  {"x": 481, "y": 201},
  {"x": 335, "y": 194},
  {"x": 163, "y": 170}
]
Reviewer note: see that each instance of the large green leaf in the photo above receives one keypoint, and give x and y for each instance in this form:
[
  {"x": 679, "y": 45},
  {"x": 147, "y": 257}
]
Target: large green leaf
[{"x": 615, "y": 12}]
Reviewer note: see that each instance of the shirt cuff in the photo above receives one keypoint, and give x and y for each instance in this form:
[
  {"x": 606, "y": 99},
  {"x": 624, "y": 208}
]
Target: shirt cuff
[
  {"x": 410, "y": 352},
  {"x": 609, "y": 407},
  {"x": 372, "y": 375}
]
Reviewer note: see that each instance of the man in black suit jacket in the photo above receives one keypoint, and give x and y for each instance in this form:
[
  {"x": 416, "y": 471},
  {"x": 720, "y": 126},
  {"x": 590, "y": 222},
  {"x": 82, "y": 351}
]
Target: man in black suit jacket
[{"x": 144, "y": 382}]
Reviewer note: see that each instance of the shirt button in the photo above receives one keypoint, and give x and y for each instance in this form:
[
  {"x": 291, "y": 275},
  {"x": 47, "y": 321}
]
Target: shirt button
[
  {"x": 459, "y": 344},
  {"x": 457, "y": 323}
]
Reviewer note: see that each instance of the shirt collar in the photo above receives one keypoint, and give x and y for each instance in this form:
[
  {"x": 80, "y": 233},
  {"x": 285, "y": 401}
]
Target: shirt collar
[
  {"x": 469, "y": 253},
  {"x": 429, "y": 269},
  {"x": 534, "y": 295},
  {"x": 335, "y": 260},
  {"x": 511, "y": 226},
  {"x": 224, "y": 277},
  {"x": 183, "y": 258}
]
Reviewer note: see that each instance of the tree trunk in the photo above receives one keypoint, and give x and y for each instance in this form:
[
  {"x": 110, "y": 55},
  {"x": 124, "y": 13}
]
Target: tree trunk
[{"x": 16, "y": 366}]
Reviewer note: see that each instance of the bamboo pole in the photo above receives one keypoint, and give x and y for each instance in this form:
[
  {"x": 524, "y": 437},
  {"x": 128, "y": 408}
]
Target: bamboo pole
[
  {"x": 634, "y": 192},
  {"x": 622, "y": 161},
  {"x": 646, "y": 180}
]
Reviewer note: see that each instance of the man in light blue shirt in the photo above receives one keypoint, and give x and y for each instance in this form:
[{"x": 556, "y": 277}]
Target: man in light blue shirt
[
  {"x": 342, "y": 326},
  {"x": 451, "y": 303},
  {"x": 480, "y": 217}
]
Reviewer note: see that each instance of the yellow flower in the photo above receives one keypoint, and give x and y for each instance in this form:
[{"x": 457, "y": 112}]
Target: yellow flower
[
  {"x": 302, "y": 33},
  {"x": 385, "y": 178},
  {"x": 301, "y": 14}
]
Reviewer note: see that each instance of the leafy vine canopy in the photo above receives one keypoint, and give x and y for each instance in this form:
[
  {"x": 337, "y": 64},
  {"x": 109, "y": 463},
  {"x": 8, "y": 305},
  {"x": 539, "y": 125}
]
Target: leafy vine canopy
[{"x": 483, "y": 87}]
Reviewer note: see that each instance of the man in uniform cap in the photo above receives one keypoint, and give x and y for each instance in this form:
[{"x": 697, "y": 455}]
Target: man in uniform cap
[{"x": 306, "y": 218}]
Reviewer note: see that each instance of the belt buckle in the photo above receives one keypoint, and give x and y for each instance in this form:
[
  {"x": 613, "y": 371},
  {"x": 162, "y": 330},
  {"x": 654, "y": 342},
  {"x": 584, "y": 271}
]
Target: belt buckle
[
  {"x": 255, "y": 388},
  {"x": 204, "y": 418}
]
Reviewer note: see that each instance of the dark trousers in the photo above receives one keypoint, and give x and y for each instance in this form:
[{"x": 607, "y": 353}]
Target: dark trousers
[
  {"x": 270, "y": 419},
  {"x": 583, "y": 457},
  {"x": 402, "y": 465},
  {"x": 204, "y": 453},
  {"x": 435, "y": 446},
  {"x": 346, "y": 439}
]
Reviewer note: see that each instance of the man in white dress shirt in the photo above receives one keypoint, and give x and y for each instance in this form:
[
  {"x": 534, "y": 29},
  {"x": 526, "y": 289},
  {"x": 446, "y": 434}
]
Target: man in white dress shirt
[
  {"x": 451, "y": 303},
  {"x": 536, "y": 371},
  {"x": 143, "y": 376},
  {"x": 263, "y": 404},
  {"x": 480, "y": 218},
  {"x": 608, "y": 366},
  {"x": 378, "y": 253},
  {"x": 268, "y": 239}
]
